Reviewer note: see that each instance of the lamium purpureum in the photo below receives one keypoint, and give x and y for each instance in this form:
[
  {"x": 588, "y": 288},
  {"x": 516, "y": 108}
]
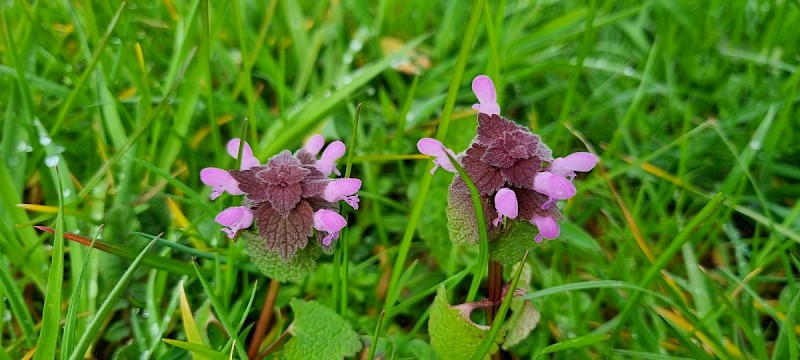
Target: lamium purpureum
[
  {"x": 287, "y": 198},
  {"x": 513, "y": 170}
]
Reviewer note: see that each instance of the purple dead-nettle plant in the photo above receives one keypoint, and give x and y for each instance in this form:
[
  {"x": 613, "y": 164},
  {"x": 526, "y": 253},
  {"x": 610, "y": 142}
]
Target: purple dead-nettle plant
[
  {"x": 288, "y": 197},
  {"x": 514, "y": 171}
]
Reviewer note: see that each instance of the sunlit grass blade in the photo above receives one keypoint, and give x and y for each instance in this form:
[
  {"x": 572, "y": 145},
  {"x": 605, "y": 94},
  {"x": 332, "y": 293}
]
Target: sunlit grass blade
[
  {"x": 572, "y": 343},
  {"x": 189, "y": 325},
  {"x": 198, "y": 351},
  {"x": 222, "y": 314},
  {"x": 107, "y": 307},
  {"x": 51, "y": 316},
  {"x": 70, "y": 323}
]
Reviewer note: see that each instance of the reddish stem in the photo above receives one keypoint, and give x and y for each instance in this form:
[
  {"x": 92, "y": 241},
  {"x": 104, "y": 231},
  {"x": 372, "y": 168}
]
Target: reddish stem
[{"x": 264, "y": 319}]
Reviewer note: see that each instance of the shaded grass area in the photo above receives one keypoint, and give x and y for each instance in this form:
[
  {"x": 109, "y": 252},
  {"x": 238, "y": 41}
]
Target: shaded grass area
[{"x": 692, "y": 107}]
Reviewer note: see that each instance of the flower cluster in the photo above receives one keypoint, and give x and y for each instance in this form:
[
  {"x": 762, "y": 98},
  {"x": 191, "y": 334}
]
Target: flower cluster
[
  {"x": 511, "y": 168},
  {"x": 288, "y": 197}
]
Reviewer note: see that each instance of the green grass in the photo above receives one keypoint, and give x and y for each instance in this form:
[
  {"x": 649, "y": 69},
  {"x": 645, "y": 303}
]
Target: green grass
[{"x": 692, "y": 107}]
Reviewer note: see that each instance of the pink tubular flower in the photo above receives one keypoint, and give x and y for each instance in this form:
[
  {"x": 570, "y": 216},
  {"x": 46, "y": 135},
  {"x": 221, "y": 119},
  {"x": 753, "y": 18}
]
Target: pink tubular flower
[
  {"x": 568, "y": 165},
  {"x": 248, "y": 160},
  {"x": 221, "y": 180},
  {"x": 330, "y": 222},
  {"x": 435, "y": 148},
  {"x": 548, "y": 227},
  {"x": 484, "y": 90},
  {"x": 343, "y": 189},
  {"x": 554, "y": 186},
  {"x": 314, "y": 144},
  {"x": 327, "y": 162},
  {"x": 505, "y": 202},
  {"x": 234, "y": 219}
]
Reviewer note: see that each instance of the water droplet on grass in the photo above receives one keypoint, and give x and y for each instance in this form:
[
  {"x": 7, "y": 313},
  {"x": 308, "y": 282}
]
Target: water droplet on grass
[
  {"x": 45, "y": 140},
  {"x": 23, "y": 146},
  {"x": 51, "y": 161},
  {"x": 628, "y": 71}
]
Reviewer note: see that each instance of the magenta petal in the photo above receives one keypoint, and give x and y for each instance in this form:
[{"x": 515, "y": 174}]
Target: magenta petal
[
  {"x": 248, "y": 160},
  {"x": 221, "y": 180},
  {"x": 484, "y": 90},
  {"x": 554, "y": 186},
  {"x": 579, "y": 161},
  {"x": 234, "y": 219},
  {"x": 314, "y": 144},
  {"x": 431, "y": 147},
  {"x": 548, "y": 227},
  {"x": 329, "y": 221},
  {"x": 339, "y": 188},
  {"x": 327, "y": 162},
  {"x": 505, "y": 201}
]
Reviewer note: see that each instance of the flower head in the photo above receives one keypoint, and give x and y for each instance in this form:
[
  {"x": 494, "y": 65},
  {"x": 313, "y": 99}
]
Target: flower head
[
  {"x": 283, "y": 195},
  {"x": 435, "y": 148},
  {"x": 511, "y": 168}
]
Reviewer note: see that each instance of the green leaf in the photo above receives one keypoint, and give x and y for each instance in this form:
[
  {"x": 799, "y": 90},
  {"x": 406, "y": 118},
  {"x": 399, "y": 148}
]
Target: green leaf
[
  {"x": 270, "y": 263},
  {"x": 512, "y": 243},
  {"x": 452, "y": 335},
  {"x": 319, "y": 333},
  {"x": 524, "y": 319},
  {"x": 576, "y": 236},
  {"x": 461, "y": 222}
]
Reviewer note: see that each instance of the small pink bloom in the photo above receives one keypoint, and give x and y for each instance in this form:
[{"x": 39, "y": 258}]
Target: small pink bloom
[
  {"x": 330, "y": 222},
  {"x": 484, "y": 90},
  {"x": 505, "y": 202},
  {"x": 567, "y": 166},
  {"x": 234, "y": 219},
  {"x": 554, "y": 186},
  {"x": 248, "y": 160},
  {"x": 433, "y": 147},
  {"x": 314, "y": 144},
  {"x": 221, "y": 180},
  {"x": 548, "y": 227},
  {"x": 343, "y": 189},
  {"x": 327, "y": 162}
]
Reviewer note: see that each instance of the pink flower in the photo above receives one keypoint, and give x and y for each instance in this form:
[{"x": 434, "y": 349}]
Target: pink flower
[
  {"x": 505, "y": 202},
  {"x": 330, "y": 222},
  {"x": 343, "y": 189},
  {"x": 314, "y": 144},
  {"x": 433, "y": 147},
  {"x": 554, "y": 186},
  {"x": 234, "y": 219},
  {"x": 548, "y": 227},
  {"x": 221, "y": 180},
  {"x": 484, "y": 90},
  {"x": 248, "y": 160},
  {"x": 327, "y": 162},
  {"x": 567, "y": 166}
]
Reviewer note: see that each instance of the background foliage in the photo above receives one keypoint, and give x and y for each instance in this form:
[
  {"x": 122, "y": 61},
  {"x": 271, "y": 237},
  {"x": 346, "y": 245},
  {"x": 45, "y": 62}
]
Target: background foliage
[{"x": 684, "y": 243}]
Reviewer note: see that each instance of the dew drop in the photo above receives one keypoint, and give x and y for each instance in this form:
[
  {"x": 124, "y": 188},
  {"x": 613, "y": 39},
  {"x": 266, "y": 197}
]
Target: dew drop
[
  {"x": 410, "y": 117},
  {"x": 23, "y": 146},
  {"x": 346, "y": 80},
  {"x": 51, "y": 161},
  {"x": 327, "y": 94},
  {"x": 67, "y": 193},
  {"x": 628, "y": 71},
  {"x": 12, "y": 160},
  {"x": 356, "y": 45},
  {"x": 347, "y": 58},
  {"x": 45, "y": 140},
  {"x": 756, "y": 145},
  {"x": 370, "y": 91},
  {"x": 59, "y": 149},
  {"x": 116, "y": 41}
]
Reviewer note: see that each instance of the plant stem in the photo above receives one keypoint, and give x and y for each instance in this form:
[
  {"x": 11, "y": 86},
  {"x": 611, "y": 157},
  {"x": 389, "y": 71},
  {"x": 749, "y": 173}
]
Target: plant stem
[
  {"x": 264, "y": 319},
  {"x": 495, "y": 297}
]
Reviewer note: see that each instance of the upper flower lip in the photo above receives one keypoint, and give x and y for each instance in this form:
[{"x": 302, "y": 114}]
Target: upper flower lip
[
  {"x": 435, "y": 148},
  {"x": 484, "y": 90},
  {"x": 248, "y": 159}
]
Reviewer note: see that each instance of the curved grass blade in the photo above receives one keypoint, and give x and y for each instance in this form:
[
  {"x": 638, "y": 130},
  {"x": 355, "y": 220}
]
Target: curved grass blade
[
  {"x": 222, "y": 314},
  {"x": 68, "y": 341},
  {"x": 107, "y": 307},
  {"x": 18, "y": 308},
  {"x": 51, "y": 317},
  {"x": 154, "y": 261}
]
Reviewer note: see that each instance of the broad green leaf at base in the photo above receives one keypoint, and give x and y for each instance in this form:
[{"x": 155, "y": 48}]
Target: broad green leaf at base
[
  {"x": 319, "y": 333},
  {"x": 453, "y": 336}
]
